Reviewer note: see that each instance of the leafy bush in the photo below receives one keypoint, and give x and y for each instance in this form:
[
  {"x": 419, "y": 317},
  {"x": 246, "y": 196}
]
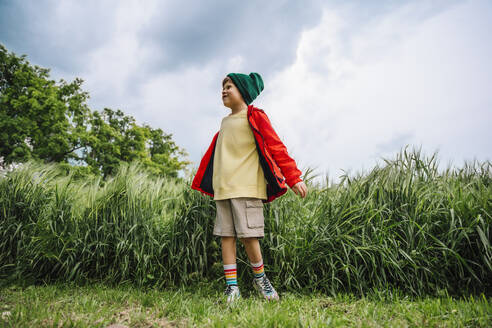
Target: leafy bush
[{"x": 404, "y": 226}]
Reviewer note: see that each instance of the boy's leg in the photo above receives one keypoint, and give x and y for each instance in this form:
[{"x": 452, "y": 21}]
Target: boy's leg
[
  {"x": 229, "y": 259},
  {"x": 228, "y": 249},
  {"x": 224, "y": 227},
  {"x": 261, "y": 282},
  {"x": 252, "y": 246},
  {"x": 230, "y": 268}
]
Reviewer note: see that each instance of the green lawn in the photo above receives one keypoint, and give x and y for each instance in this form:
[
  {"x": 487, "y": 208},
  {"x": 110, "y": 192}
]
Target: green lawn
[{"x": 69, "y": 305}]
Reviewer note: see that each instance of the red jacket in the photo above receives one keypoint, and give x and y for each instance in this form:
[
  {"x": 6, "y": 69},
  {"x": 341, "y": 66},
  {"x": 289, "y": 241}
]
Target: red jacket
[{"x": 278, "y": 167}]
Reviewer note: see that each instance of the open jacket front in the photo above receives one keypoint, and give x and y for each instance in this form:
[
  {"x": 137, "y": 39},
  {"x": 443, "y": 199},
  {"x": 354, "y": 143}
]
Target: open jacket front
[{"x": 278, "y": 167}]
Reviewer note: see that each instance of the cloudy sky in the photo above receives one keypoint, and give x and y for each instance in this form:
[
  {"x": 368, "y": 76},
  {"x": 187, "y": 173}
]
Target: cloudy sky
[{"x": 347, "y": 83}]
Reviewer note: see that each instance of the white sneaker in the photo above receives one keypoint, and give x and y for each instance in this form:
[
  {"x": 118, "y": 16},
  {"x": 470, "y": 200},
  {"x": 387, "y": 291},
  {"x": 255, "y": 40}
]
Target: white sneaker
[
  {"x": 232, "y": 293},
  {"x": 265, "y": 288}
]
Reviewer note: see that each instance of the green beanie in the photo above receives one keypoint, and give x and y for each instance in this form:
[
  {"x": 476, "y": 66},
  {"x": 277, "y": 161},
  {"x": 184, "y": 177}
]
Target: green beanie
[{"x": 249, "y": 86}]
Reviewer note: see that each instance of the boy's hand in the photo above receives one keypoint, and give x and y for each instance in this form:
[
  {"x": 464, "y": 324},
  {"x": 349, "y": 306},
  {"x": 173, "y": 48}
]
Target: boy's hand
[{"x": 300, "y": 189}]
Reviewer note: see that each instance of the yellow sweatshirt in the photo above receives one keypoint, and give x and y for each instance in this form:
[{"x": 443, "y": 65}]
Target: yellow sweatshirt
[{"x": 237, "y": 170}]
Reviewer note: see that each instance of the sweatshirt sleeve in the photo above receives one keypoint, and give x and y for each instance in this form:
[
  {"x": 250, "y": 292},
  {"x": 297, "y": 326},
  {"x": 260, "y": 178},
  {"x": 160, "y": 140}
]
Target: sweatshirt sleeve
[{"x": 278, "y": 151}]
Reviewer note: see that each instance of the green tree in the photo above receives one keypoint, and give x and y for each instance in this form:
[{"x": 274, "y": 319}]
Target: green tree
[
  {"x": 116, "y": 137},
  {"x": 45, "y": 121},
  {"x": 161, "y": 149},
  {"x": 38, "y": 119}
]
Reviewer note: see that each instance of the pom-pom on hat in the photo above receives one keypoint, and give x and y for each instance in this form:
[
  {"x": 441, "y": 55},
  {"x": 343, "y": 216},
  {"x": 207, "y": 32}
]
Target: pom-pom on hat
[{"x": 249, "y": 86}]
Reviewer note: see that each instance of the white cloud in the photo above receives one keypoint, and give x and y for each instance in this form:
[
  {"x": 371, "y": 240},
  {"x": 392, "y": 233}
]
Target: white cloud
[
  {"x": 186, "y": 103},
  {"x": 353, "y": 89},
  {"x": 111, "y": 68},
  {"x": 359, "y": 89}
]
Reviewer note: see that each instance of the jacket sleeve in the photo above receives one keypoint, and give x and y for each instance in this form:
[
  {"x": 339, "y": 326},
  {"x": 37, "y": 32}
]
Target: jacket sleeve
[{"x": 278, "y": 151}]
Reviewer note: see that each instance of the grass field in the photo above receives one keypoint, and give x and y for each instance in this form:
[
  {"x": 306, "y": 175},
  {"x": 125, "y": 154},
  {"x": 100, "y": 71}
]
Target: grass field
[
  {"x": 336, "y": 257},
  {"x": 404, "y": 226},
  {"x": 98, "y": 305}
]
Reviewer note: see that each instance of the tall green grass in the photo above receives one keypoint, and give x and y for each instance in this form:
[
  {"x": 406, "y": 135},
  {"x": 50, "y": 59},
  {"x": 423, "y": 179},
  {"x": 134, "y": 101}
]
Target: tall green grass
[{"x": 402, "y": 226}]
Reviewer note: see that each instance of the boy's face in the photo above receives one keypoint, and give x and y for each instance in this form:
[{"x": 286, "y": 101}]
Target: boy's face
[{"x": 231, "y": 96}]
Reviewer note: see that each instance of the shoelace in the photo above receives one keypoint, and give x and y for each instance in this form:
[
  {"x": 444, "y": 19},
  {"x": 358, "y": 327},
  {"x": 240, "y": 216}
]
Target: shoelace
[
  {"x": 228, "y": 290},
  {"x": 265, "y": 283}
]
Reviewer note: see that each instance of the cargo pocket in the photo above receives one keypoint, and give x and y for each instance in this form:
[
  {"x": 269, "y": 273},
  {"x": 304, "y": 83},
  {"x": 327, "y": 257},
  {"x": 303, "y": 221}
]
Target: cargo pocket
[{"x": 254, "y": 213}]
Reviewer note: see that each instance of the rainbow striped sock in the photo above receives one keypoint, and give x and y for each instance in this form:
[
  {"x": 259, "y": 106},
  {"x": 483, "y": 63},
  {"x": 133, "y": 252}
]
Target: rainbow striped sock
[
  {"x": 231, "y": 274},
  {"x": 258, "y": 270}
]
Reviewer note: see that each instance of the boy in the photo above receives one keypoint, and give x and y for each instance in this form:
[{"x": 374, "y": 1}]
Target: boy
[{"x": 243, "y": 168}]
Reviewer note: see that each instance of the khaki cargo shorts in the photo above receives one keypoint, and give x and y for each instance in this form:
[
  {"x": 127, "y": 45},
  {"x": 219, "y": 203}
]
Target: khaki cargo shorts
[{"x": 241, "y": 217}]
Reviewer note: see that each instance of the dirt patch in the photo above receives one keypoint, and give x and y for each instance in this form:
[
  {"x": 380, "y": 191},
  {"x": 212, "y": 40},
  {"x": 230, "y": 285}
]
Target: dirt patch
[{"x": 134, "y": 316}]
